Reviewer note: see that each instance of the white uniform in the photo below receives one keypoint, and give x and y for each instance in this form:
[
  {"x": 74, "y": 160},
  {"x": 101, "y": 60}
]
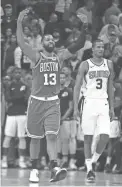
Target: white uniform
[
  {"x": 16, "y": 126},
  {"x": 96, "y": 108}
]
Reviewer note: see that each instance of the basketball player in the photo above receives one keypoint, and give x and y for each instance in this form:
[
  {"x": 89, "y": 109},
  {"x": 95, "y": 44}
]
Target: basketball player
[
  {"x": 43, "y": 110},
  {"x": 98, "y": 103}
]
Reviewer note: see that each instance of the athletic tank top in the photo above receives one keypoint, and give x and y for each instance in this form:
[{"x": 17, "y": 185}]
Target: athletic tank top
[
  {"x": 97, "y": 80},
  {"x": 46, "y": 77}
]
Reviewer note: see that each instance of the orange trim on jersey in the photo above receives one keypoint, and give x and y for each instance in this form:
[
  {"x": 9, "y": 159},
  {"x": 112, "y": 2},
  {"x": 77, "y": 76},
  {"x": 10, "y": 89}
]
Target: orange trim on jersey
[{"x": 97, "y": 64}]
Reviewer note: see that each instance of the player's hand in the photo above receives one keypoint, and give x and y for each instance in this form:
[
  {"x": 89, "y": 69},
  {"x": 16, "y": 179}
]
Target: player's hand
[
  {"x": 111, "y": 114},
  {"x": 76, "y": 114},
  {"x": 22, "y": 15}
]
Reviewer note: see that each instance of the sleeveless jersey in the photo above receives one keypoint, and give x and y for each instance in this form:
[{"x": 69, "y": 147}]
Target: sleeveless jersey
[
  {"x": 46, "y": 77},
  {"x": 97, "y": 80}
]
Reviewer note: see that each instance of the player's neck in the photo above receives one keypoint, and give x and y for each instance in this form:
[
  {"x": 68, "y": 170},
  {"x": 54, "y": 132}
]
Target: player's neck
[
  {"x": 48, "y": 54},
  {"x": 97, "y": 60}
]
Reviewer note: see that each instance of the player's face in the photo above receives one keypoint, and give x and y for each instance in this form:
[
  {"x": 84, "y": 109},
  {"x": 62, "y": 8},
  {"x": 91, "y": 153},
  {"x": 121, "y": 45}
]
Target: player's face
[
  {"x": 98, "y": 49},
  {"x": 49, "y": 43},
  {"x": 62, "y": 79}
]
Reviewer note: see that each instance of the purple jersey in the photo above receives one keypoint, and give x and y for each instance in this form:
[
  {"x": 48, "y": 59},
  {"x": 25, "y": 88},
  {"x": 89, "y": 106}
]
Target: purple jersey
[{"x": 46, "y": 77}]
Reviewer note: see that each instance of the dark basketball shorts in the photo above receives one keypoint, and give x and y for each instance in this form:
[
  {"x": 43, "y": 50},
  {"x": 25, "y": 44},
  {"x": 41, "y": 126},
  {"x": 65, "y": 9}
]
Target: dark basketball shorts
[{"x": 43, "y": 117}]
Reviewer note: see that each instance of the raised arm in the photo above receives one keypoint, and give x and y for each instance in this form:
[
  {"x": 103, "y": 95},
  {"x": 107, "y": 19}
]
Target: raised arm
[
  {"x": 73, "y": 48},
  {"x": 79, "y": 81},
  {"x": 111, "y": 90},
  {"x": 32, "y": 54}
]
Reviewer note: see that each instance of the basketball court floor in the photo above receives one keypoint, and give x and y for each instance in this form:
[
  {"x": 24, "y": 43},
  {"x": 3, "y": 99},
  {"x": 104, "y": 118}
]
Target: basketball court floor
[{"x": 19, "y": 177}]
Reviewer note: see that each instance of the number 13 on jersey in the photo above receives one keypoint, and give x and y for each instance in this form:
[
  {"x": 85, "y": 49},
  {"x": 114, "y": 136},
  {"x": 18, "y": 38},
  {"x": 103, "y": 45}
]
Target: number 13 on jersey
[{"x": 49, "y": 79}]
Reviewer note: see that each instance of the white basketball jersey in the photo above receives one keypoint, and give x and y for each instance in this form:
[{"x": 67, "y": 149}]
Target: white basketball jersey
[{"x": 97, "y": 80}]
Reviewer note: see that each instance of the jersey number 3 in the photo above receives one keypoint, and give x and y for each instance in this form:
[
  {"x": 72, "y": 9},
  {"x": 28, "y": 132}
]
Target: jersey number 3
[
  {"x": 49, "y": 79},
  {"x": 99, "y": 83}
]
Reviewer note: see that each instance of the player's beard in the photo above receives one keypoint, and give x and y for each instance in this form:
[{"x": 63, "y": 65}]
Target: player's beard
[{"x": 49, "y": 49}]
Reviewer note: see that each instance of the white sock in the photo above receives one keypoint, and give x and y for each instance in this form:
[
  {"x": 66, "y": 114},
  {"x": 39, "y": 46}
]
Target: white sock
[
  {"x": 95, "y": 157},
  {"x": 21, "y": 159},
  {"x": 108, "y": 160},
  {"x": 4, "y": 158},
  {"x": 88, "y": 164}
]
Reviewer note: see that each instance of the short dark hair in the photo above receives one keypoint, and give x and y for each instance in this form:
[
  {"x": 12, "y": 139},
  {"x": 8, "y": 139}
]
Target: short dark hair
[
  {"x": 96, "y": 41},
  {"x": 46, "y": 35}
]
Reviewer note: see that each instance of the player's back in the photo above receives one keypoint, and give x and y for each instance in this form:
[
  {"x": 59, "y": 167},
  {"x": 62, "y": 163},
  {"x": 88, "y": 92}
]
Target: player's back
[
  {"x": 97, "y": 80},
  {"x": 46, "y": 77}
]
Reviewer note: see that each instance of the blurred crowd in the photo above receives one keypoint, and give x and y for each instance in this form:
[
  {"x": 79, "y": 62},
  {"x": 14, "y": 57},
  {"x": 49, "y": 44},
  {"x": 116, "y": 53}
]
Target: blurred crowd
[{"x": 64, "y": 19}]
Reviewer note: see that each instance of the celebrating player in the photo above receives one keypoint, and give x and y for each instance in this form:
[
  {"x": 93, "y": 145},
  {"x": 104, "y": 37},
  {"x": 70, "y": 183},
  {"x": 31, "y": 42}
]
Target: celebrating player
[{"x": 43, "y": 109}]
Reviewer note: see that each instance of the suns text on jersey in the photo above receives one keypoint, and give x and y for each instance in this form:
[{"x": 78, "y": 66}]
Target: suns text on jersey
[
  {"x": 101, "y": 74},
  {"x": 49, "y": 66}
]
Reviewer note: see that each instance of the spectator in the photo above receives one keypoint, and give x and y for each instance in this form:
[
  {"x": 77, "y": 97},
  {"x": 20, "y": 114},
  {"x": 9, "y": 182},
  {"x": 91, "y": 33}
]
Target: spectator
[
  {"x": 86, "y": 49},
  {"x": 52, "y": 24},
  {"x": 9, "y": 53},
  {"x": 16, "y": 117},
  {"x": 114, "y": 21},
  {"x": 2, "y": 51},
  {"x": 109, "y": 47},
  {"x": 69, "y": 82},
  {"x": 75, "y": 32},
  {"x": 74, "y": 63},
  {"x": 13, "y": 39},
  {"x": 113, "y": 10},
  {"x": 21, "y": 61},
  {"x": 59, "y": 44},
  {"x": 8, "y": 34},
  {"x": 111, "y": 35},
  {"x": 9, "y": 20},
  {"x": 61, "y": 7},
  {"x": 66, "y": 105},
  {"x": 66, "y": 26},
  {"x": 87, "y": 10}
]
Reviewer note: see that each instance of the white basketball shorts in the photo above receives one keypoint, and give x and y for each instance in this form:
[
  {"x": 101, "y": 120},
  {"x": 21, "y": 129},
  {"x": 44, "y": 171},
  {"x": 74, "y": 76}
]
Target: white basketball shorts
[
  {"x": 15, "y": 125},
  {"x": 95, "y": 115}
]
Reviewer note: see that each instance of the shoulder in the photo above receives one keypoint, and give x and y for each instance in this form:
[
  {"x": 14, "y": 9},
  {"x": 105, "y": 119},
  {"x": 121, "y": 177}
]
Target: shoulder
[
  {"x": 84, "y": 66},
  {"x": 110, "y": 64}
]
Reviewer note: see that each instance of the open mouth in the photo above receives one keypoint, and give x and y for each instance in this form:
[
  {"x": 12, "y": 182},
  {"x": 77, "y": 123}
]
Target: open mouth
[{"x": 51, "y": 44}]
